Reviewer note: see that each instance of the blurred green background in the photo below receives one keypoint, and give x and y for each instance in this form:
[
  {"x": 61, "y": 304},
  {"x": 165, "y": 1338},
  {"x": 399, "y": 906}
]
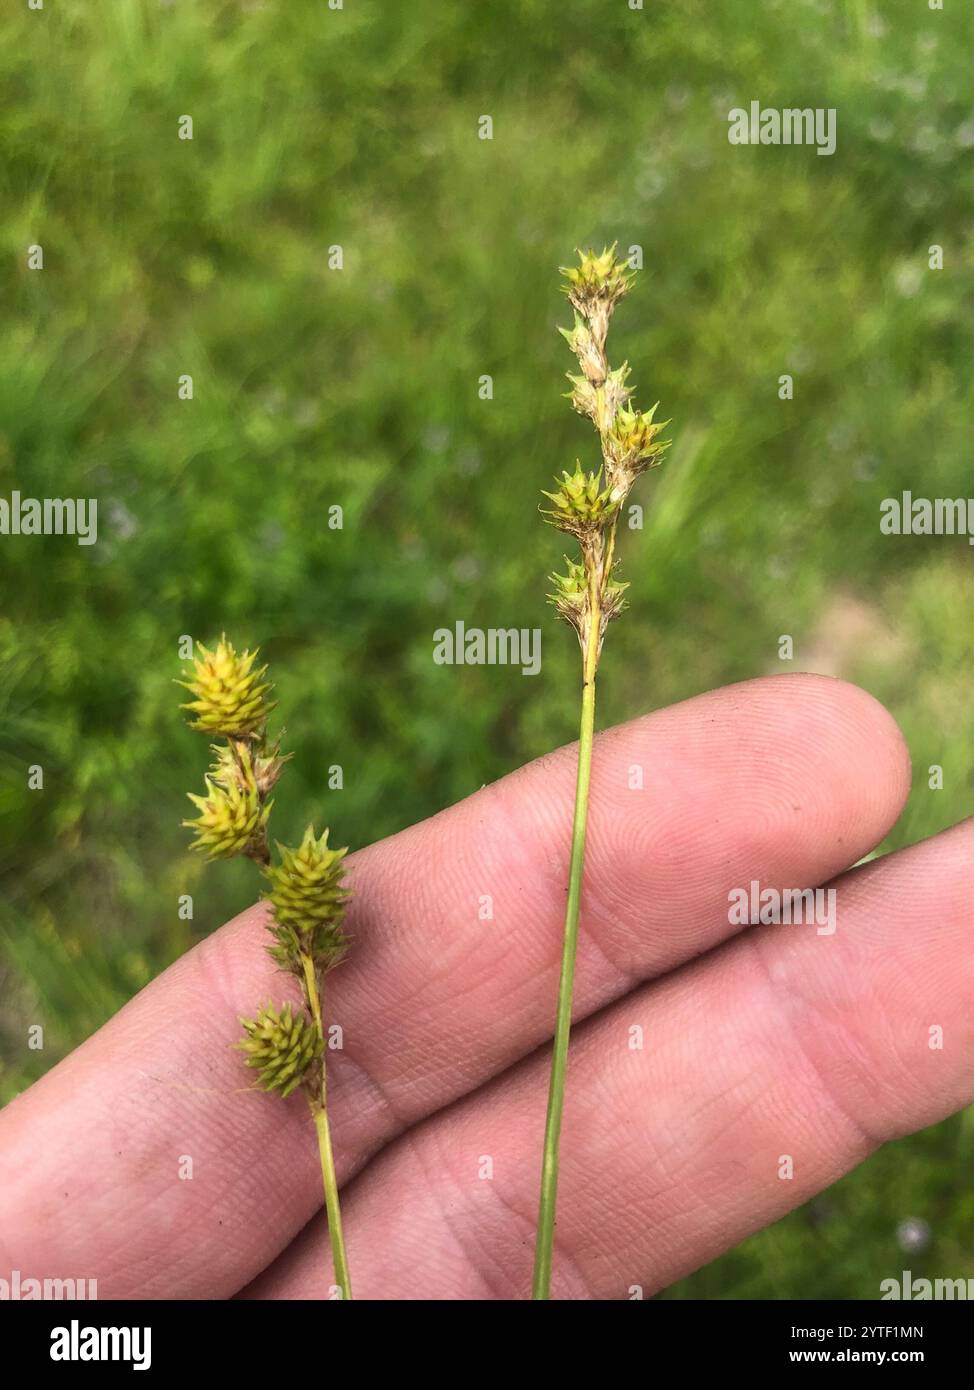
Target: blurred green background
[{"x": 359, "y": 386}]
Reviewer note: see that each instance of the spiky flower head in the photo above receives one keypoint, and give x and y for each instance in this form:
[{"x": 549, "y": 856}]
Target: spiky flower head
[
  {"x": 232, "y": 819},
  {"x": 308, "y": 902},
  {"x": 613, "y": 600},
  {"x": 570, "y": 594},
  {"x": 282, "y": 1046},
  {"x": 597, "y": 281},
  {"x": 632, "y": 445},
  {"x": 229, "y": 694},
  {"x": 571, "y": 597},
  {"x": 580, "y": 504}
]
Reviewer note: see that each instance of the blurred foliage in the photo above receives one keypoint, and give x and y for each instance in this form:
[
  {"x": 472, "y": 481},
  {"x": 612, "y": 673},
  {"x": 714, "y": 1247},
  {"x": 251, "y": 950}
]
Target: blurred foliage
[{"x": 314, "y": 386}]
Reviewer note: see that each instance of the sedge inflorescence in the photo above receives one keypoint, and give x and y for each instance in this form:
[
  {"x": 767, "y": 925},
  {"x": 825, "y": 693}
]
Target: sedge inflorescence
[
  {"x": 307, "y": 897},
  {"x": 306, "y": 894},
  {"x": 587, "y": 504}
]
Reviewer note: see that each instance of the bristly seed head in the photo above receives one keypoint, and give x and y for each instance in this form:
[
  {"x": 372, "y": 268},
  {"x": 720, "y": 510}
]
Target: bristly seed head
[
  {"x": 580, "y": 504},
  {"x": 570, "y": 594},
  {"x": 308, "y": 901},
  {"x": 229, "y": 696},
  {"x": 233, "y": 816},
  {"x": 283, "y": 1046},
  {"x": 631, "y": 444},
  {"x": 596, "y": 280}
]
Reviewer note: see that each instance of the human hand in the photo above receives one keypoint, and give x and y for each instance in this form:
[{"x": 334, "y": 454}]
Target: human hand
[{"x": 757, "y": 1042}]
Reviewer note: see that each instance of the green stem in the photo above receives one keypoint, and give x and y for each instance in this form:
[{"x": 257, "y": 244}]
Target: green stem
[
  {"x": 339, "y": 1258},
  {"x": 609, "y": 557},
  {"x": 544, "y": 1245},
  {"x": 319, "y": 1109}
]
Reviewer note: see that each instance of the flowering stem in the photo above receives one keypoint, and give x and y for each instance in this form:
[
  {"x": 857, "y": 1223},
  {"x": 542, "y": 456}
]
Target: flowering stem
[
  {"x": 588, "y": 506},
  {"x": 544, "y": 1244},
  {"x": 319, "y": 1110}
]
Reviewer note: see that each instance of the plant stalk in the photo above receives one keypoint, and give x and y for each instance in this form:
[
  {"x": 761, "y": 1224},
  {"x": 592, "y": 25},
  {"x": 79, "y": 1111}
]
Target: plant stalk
[
  {"x": 319, "y": 1110},
  {"x": 544, "y": 1244}
]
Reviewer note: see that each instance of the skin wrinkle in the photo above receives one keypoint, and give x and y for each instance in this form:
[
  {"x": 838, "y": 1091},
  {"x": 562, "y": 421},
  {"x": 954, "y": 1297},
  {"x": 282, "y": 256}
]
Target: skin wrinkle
[
  {"x": 414, "y": 1143},
  {"x": 572, "y": 1261},
  {"x": 499, "y": 826},
  {"x": 569, "y": 1272},
  {"x": 509, "y": 817},
  {"x": 797, "y": 1004},
  {"x": 601, "y": 1242},
  {"x": 479, "y": 1259},
  {"x": 348, "y": 1075},
  {"x": 713, "y": 1140},
  {"x": 591, "y": 943},
  {"x": 227, "y": 1129},
  {"x": 595, "y": 913},
  {"x": 730, "y": 1179},
  {"x": 785, "y": 986},
  {"x": 773, "y": 816}
]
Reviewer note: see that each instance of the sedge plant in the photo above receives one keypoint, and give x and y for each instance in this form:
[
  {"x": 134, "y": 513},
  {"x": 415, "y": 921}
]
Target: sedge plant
[
  {"x": 587, "y": 505},
  {"x": 285, "y": 1046}
]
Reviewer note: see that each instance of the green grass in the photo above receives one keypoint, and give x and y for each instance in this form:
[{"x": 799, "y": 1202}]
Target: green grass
[{"x": 360, "y": 387}]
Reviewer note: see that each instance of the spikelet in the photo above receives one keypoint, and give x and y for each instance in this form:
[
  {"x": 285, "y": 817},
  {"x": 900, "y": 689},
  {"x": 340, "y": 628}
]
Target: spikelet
[
  {"x": 229, "y": 695},
  {"x": 632, "y": 446},
  {"x": 580, "y": 504},
  {"x": 308, "y": 902},
  {"x": 282, "y": 1047},
  {"x": 232, "y": 819},
  {"x": 596, "y": 281}
]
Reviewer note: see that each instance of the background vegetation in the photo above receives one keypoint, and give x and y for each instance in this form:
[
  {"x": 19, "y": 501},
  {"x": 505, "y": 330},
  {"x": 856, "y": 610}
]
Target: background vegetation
[{"x": 314, "y": 386}]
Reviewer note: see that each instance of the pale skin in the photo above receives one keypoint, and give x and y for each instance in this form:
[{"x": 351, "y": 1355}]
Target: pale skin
[{"x": 757, "y": 1042}]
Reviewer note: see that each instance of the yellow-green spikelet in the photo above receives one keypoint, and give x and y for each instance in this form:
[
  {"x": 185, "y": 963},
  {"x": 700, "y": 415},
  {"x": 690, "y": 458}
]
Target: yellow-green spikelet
[
  {"x": 580, "y": 502},
  {"x": 281, "y": 1046},
  {"x": 231, "y": 818},
  {"x": 308, "y": 901},
  {"x": 229, "y": 694}
]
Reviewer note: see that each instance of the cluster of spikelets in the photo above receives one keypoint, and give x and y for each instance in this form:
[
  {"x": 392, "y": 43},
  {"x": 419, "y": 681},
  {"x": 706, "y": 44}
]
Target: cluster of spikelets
[
  {"x": 585, "y": 504},
  {"x": 305, "y": 887},
  {"x": 230, "y": 699}
]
